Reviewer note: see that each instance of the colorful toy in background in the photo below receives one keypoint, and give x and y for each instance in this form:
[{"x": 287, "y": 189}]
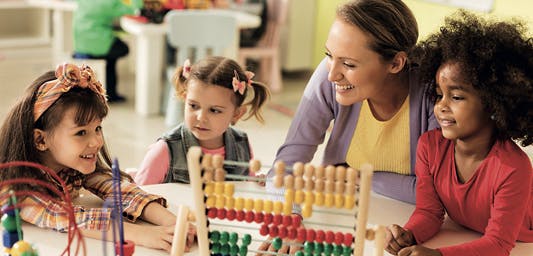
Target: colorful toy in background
[
  {"x": 324, "y": 194},
  {"x": 12, "y": 238},
  {"x": 122, "y": 247},
  {"x": 12, "y": 233},
  {"x": 155, "y": 10}
]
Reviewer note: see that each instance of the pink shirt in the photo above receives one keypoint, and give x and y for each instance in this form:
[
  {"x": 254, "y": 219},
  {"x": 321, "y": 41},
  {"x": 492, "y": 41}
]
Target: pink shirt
[{"x": 497, "y": 201}]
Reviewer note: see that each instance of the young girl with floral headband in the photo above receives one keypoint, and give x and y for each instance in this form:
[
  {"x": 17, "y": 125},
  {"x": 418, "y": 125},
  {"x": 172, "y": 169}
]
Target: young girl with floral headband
[
  {"x": 58, "y": 124},
  {"x": 217, "y": 93}
]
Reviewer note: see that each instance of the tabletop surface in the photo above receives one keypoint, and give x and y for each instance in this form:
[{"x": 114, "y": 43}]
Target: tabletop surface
[{"x": 383, "y": 211}]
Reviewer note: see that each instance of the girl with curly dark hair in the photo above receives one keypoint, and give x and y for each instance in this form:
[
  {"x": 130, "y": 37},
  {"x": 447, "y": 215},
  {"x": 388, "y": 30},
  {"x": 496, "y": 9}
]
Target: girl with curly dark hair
[{"x": 471, "y": 168}]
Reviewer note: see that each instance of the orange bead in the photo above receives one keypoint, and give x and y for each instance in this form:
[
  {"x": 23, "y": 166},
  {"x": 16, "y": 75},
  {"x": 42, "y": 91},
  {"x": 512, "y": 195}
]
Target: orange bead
[
  {"x": 218, "y": 161},
  {"x": 339, "y": 201},
  {"x": 229, "y": 189},
  {"x": 299, "y": 196},
  {"x": 349, "y": 202},
  {"x": 329, "y": 201},
  {"x": 219, "y": 188},
  {"x": 210, "y": 201},
  {"x": 209, "y": 188},
  {"x": 279, "y": 167},
  {"x": 289, "y": 195},
  {"x": 319, "y": 199},
  {"x": 278, "y": 207},
  {"x": 221, "y": 201},
  {"x": 307, "y": 210},
  {"x": 249, "y": 204},
  {"x": 298, "y": 169},
  {"x": 268, "y": 205},
  {"x": 309, "y": 197},
  {"x": 239, "y": 203}
]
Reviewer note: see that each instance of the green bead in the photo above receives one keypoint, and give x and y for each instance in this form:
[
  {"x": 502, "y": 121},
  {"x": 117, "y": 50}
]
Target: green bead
[
  {"x": 328, "y": 249},
  {"x": 299, "y": 253},
  {"x": 346, "y": 251},
  {"x": 215, "y": 247},
  {"x": 224, "y": 237},
  {"x": 233, "y": 238},
  {"x": 308, "y": 246},
  {"x": 224, "y": 249},
  {"x": 234, "y": 249},
  {"x": 319, "y": 247},
  {"x": 337, "y": 250},
  {"x": 277, "y": 243},
  {"x": 9, "y": 223},
  {"x": 308, "y": 254},
  {"x": 243, "y": 250},
  {"x": 214, "y": 236},
  {"x": 246, "y": 239}
]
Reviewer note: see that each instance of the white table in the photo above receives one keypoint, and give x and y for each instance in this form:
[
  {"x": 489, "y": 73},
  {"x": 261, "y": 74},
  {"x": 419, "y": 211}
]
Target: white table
[
  {"x": 383, "y": 211},
  {"x": 150, "y": 44}
]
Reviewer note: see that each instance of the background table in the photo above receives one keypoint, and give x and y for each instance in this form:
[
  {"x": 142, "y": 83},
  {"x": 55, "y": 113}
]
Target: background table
[{"x": 150, "y": 52}]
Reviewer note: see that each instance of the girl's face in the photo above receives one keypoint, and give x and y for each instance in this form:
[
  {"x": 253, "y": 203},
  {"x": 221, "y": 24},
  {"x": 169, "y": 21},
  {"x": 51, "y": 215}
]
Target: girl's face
[
  {"x": 209, "y": 111},
  {"x": 458, "y": 107},
  {"x": 69, "y": 145},
  {"x": 358, "y": 72}
]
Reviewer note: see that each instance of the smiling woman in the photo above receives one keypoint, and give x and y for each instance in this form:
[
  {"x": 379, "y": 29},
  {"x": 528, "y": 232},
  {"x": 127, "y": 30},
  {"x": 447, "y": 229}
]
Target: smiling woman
[{"x": 369, "y": 87}]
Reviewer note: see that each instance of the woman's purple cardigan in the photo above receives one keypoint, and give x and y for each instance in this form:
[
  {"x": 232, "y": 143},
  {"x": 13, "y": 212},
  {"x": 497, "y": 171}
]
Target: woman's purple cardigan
[{"x": 318, "y": 108}]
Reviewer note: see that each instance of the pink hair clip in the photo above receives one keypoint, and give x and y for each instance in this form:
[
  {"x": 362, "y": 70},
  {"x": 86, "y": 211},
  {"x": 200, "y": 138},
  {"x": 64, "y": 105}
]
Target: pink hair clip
[
  {"x": 186, "y": 68},
  {"x": 241, "y": 85}
]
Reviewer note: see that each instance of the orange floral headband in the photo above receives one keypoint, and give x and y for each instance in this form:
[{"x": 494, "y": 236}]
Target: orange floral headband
[{"x": 68, "y": 76}]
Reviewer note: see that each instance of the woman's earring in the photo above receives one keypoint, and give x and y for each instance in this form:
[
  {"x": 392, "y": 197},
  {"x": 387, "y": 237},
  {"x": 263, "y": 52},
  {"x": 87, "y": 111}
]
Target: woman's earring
[
  {"x": 40, "y": 147},
  {"x": 493, "y": 117}
]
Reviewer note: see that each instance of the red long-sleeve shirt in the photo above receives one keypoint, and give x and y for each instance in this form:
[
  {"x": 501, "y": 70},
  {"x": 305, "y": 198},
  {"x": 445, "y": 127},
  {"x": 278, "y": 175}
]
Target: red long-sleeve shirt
[{"x": 496, "y": 201}]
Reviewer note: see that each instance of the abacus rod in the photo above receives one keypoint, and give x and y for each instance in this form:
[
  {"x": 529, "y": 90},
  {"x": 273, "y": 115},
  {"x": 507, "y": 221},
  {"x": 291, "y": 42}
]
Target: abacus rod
[{"x": 255, "y": 228}]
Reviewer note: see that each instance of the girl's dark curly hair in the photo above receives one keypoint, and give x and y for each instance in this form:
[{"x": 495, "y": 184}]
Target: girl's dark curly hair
[{"x": 496, "y": 57}]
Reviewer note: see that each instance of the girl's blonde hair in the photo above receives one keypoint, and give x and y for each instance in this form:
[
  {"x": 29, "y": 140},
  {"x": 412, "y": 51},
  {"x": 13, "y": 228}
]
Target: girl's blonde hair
[{"x": 220, "y": 71}]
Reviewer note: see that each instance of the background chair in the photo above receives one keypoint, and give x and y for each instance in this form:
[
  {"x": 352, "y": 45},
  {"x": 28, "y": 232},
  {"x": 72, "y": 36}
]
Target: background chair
[
  {"x": 267, "y": 49},
  {"x": 196, "y": 34}
]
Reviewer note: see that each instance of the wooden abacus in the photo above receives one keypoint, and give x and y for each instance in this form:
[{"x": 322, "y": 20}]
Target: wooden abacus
[{"x": 332, "y": 192}]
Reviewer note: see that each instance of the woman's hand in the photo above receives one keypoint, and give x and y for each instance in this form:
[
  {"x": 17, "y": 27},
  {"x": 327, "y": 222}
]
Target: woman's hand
[
  {"x": 418, "y": 250},
  {"x": 398, "y": 238}
]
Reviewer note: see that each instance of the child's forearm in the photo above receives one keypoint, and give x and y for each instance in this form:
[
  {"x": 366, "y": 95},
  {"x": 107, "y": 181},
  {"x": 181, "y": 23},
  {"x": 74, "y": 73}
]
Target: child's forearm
[{"x": 157, "y": 214}]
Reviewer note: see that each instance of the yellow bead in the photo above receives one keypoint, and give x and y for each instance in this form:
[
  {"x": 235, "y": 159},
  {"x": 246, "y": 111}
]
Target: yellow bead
[
  {"x": 21, "y": 247},
  {"x": 299, "y": 196},
  {"x": 289, "y": 195},
  {"x": 309, "y": 197},
  {"x": 249, "y": 204},
  {"x": 349, "y": 202},
  {"x": 229, "y": 189},
  {"x": 239, "y": 203},
  {"x": 210, "y": 201},
  {"x": 268, "y": 205},
  {"x": 287, "y": 208},
  {"x": 219, "y": 188},
  {"x": 329, "y": 202},
  {"x": 230, "y": 202},
  {"x": 339, "y": 201},
  {"x": 278, "y": 207},
  {"x": 209, "y": 188},
  {"x": 258, "y": 205},
  {"x": 319, "y": 198},
  {"x": 221, "y": 202},
  {"x": 307, "y": 210}
]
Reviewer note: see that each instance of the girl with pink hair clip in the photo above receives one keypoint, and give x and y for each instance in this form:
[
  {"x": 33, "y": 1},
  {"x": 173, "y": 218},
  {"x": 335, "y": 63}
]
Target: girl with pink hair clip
[
  {"x": 217, "y": 93},
  {"x": 58, "y": 124}
]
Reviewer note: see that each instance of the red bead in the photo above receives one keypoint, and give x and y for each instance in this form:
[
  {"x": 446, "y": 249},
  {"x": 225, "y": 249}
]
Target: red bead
[
  {"x": 263, "y": 230},
  {"x": 310, "y": 235},
  {"x": 291, "y": 233},
  {"x": 221, "y": 213},
  {"x": 330, "y": 237},
  {"x": 348, "y": 239},
  {"x": 287, "y": 220},
  {"x": 258, "y": 217},
  {"x": 273, "y": 230},
  {"x": 277, "y": 219},
  {"x": 240, "y": 215},
  {"x": 128, "y": 247},
  {"x": 339, "y": 238},
  {"x": 231, "y": 214},
  {"x": 212, "y": 213},
  {"x": 282, "y": 232},
  {"x": 320, "y": 236},
  {"x": 268, "y": 218},
  {"x": 296, "y": 221},
  {"x": 300, "y": 235},
  {"x": 249, "y": 217}
]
